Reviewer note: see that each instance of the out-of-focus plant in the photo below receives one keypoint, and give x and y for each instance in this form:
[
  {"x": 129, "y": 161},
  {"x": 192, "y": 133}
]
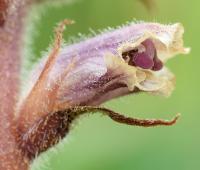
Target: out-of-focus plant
[{"x": 76, "y": 79}]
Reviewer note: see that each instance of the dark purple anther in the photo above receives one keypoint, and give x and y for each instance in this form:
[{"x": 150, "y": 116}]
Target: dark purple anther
[{"x": 145, "y": 58}]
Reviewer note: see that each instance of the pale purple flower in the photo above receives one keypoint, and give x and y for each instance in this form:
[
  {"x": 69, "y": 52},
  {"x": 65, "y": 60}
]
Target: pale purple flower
[
  {"x": 112, "y": 64},
  {"x": 81, "y": 76}
]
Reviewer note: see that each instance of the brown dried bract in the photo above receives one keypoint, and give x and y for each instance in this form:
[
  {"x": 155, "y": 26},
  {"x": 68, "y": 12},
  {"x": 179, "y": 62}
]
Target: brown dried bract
[
  {"x": 50, "y": 129},
  {"x": 40, "y": 95}
]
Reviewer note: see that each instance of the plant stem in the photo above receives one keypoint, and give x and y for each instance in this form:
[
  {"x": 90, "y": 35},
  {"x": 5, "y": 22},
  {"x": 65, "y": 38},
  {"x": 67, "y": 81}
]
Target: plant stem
[{"x": 11, "y": 28}]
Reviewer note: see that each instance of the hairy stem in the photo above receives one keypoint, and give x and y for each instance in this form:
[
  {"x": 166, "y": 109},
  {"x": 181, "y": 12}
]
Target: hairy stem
[{"x": 11, "y": 27}]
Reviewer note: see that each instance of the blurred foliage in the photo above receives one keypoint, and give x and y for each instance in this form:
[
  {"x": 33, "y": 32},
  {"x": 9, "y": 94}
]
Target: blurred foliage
[
  {"x": 150, "y": 4},
  {"x": 96, "y": 142}
]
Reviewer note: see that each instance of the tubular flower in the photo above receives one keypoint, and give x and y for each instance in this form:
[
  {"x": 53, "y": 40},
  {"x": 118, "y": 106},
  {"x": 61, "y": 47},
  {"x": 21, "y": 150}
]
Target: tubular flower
[{"x": 78, "y": 78}]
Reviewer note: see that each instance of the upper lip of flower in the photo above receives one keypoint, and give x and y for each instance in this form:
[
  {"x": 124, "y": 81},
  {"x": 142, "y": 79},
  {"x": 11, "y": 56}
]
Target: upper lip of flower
[{"x": 168, "y": 41}]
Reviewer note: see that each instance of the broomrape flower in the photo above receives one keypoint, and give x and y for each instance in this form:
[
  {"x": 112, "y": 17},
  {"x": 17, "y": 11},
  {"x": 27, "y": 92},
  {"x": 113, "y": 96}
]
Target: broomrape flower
[{"x": 78, "y": 78}]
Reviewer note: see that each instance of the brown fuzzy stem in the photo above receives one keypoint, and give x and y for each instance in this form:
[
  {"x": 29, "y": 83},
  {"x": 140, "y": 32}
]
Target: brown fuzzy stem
[{"x": 12, "y": 13}]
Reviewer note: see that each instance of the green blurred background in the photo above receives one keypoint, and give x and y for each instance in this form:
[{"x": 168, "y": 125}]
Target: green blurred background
[{"x": 96, "y": 142}]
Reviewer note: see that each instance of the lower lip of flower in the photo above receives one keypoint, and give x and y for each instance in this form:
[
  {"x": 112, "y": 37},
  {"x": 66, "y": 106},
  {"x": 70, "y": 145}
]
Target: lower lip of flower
[{"x": 145, "y": 59}]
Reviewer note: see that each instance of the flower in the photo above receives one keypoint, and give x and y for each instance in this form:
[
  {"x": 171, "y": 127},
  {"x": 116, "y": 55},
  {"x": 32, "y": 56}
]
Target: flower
[{"x": 78, "y": 78}]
